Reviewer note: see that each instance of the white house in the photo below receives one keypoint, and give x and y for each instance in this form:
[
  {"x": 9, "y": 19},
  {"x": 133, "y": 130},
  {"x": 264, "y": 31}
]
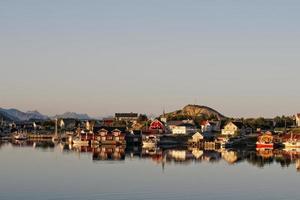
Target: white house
[
  {"x": 180, "y": 127},
  {"x": 179, "y": 130},
  {"x": 298, "y": 120}
]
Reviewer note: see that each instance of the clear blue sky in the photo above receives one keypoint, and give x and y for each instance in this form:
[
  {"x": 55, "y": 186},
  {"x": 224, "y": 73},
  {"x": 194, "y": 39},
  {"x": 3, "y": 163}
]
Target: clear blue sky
[{"x": 100, "y": 57}]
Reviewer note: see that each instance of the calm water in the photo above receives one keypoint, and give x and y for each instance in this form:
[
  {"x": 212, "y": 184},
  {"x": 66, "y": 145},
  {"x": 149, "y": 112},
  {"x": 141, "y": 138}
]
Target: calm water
[{"x": 46, "y": 171}]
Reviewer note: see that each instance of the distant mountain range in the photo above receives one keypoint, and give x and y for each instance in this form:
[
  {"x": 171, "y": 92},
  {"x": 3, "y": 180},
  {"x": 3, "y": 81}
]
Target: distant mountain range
[
  {"x": 72, "y": 115},
  {"x": 17, "y": 115}
]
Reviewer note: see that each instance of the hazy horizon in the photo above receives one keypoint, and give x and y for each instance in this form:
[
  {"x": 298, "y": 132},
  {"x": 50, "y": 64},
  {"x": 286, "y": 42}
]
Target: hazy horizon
[{"x": 100, "y": 57}]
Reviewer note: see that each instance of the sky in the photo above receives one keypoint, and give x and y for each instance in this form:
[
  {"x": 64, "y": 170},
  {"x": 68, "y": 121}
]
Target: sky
[{"x": 101, "y": 57}]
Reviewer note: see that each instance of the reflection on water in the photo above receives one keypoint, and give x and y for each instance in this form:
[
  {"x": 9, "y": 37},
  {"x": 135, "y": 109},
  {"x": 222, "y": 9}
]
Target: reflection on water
[
  {"x": 46, "y": 170},
  {"x": 176, "y": 155}
]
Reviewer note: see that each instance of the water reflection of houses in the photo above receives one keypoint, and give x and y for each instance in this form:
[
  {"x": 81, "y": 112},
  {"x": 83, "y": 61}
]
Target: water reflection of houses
[
  {"x": 179, "y": 155},
  {"x": 109, "y": 153},
  {"x": 104, "y": 152},
  {"x": 230, "y": 156},
  {"x": 192, "y": 154},
  {"x": 263, "y": 157}
]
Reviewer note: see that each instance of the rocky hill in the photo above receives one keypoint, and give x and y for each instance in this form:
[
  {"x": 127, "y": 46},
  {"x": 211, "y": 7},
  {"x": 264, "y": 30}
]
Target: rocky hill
[{"x": 195, "y": 111}]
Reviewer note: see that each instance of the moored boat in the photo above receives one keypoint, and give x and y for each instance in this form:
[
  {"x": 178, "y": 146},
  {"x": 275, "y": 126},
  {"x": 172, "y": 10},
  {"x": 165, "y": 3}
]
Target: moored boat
[
  {"x": 265, "y": 141},
  {"x": 80, "y": 141},
  {"x": 20, "y": 136},
  {"x": 264, "y": 145},
  {"x": 150, "y": 141},
  {"x": 292, "y": 142}
]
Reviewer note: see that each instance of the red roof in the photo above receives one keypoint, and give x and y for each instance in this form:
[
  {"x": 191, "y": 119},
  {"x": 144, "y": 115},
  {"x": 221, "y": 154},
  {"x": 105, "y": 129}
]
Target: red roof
[
  {"x": 156, "y": 124},
  {"x": 204, "y": 123}
]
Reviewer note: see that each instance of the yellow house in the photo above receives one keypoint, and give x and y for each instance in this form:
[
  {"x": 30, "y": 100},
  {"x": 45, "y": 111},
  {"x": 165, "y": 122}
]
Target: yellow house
[{"x": 234, "y": 128}]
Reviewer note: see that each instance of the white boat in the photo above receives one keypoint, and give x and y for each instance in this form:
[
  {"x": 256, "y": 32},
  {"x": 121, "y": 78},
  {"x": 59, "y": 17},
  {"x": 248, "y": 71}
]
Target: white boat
[
  {"x": 150, "y": 141},
  {"x": 55, "y": 139},
  {"x": 20, "y": 136},
  {"x": 292, "y": 143},
  {"x": 79, "y": 142}
]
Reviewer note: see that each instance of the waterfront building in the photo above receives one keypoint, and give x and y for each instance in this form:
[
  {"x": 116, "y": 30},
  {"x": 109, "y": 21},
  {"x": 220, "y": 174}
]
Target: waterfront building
[
  {"x": 181, "y": 127},
  {"x": 197, "y": 137},
  {"x": 234, "y": 128},
  {"x": 111, "y": 137}
]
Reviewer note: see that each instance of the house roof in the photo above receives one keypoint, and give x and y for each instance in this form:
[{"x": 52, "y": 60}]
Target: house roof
[
  {"x": 109, "y": 128},
  {"x": 205, "y": 122},
  {"x": 126, "y": 115}
]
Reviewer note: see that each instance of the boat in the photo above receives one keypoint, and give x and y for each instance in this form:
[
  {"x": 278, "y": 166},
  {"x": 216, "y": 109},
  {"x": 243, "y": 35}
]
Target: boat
[
  {"x": 264, "y": 145},
  {"x": 79, "y": 140},
  {"x": 20, "y": 136},
  {"x": 150, "y": 141},
  {"x": 265, "y": 141},
  {"x": 292, "y": 143}
]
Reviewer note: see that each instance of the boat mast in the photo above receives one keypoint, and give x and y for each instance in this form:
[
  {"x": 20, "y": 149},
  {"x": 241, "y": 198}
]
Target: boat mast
[{"x": 56, "y": 127}]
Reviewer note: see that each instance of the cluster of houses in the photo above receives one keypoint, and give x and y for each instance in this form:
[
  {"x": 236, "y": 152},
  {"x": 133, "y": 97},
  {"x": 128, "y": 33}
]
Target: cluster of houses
[{"x": 106, "y": 132}]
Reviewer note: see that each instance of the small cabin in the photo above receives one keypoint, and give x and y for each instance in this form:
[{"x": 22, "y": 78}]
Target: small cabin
[{"x": 197, "y": 137}]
